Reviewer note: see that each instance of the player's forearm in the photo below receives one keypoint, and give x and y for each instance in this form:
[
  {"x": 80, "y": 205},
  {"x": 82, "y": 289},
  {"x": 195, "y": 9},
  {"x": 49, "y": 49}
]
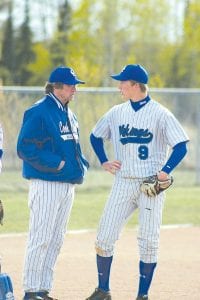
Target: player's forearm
[
  {"x": 98, "y": 147},
  {"x": 178, "y": 153}
]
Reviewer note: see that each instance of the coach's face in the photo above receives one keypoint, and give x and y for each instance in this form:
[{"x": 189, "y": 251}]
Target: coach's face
[
  {"x": 127, "y": 89},
  {"x": 66, "y": 94}
]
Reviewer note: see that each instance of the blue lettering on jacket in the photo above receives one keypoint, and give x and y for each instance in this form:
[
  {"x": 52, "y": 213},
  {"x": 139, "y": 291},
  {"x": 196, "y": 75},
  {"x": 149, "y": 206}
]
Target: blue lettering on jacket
[{"x": 134, "y": 135}]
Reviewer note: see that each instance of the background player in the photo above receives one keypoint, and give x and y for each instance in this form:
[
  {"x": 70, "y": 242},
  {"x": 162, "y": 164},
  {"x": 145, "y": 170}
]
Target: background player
[
  {"x": 48, "y": 144},
  {"x": 1, "y": 204},
  {"x": 1, "y": 146},
  {"x": 141, "y": 130}
]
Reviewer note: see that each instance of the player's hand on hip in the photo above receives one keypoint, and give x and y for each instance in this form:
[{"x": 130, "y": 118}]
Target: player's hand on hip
[{"x": 112, "y": 166}]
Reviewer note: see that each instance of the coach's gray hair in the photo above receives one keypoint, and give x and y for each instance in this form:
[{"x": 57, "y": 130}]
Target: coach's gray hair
[{"x": 49, "y": 87}]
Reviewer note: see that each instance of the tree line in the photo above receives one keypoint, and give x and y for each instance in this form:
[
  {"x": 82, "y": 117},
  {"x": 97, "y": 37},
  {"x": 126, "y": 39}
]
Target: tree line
[{"x": 97, "y": 38}]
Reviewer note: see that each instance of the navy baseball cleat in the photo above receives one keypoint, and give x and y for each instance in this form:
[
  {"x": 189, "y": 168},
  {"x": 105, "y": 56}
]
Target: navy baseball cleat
[
  {"x": 100, "y": 295},
  {"x": 145, "y": 297}
]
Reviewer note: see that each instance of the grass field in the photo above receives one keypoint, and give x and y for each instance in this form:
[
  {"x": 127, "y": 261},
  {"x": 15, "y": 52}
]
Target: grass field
[{"x": 182, "y": 205}]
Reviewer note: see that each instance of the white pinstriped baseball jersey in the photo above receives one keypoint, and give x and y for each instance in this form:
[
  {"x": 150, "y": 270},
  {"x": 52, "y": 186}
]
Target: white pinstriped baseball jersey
[{"x": 141, "y": 139}]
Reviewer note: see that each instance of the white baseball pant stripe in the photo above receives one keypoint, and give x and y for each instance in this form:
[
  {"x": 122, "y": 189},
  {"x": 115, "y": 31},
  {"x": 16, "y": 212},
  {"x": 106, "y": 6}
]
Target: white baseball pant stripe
[
  {"x": 50, "y": 205},
  {"x": 124, "y": 199}
]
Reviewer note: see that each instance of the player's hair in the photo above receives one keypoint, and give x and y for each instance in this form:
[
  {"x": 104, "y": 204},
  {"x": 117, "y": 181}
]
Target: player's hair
[
  {"x": 143, "y": 87},
  {"x": 49, "y": 87}
]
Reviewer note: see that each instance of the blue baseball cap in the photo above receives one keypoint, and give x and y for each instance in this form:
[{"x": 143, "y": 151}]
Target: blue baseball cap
[
  {"x": 64, "y": 75},
  {"x": 132, "y": 72}
]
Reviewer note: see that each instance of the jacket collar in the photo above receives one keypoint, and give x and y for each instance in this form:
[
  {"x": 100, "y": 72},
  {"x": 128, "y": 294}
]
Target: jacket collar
[{"x": 57, "y": 101}]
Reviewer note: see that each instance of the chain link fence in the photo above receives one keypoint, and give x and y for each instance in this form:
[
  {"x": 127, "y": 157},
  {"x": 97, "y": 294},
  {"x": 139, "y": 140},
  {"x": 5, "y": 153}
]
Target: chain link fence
[{"x": 89, "y": 105}]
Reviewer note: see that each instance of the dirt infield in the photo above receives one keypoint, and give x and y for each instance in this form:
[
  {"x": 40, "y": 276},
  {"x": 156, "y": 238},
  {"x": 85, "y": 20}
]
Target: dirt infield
[{"x": 177, "y": 275}]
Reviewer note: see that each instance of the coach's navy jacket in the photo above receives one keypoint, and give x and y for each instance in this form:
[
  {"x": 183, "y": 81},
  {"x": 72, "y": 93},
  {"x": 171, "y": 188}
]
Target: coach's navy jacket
[{"x": 46, "y": 138}]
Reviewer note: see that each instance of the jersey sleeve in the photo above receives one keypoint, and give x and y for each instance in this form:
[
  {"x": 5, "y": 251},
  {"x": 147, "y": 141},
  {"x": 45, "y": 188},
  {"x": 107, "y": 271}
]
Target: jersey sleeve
[
  {"x": 173, "y": 131},
  {"x": 102, "y": 127}
]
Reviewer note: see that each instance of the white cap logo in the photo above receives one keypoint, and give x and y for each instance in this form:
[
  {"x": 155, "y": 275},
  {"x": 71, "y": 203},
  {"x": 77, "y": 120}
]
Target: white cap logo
[{"x": 72, "y": 72}]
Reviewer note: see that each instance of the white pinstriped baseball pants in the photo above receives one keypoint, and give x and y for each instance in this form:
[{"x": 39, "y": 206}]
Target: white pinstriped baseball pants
[
  {"x": 125, "y": 197},
  {"x": 50, "y": 205}
]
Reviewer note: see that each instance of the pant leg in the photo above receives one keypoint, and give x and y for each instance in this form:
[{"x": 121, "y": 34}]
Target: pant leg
[
  {"x": 150, "y": 219},
  {"x": 119, "y": 207},
  {"x": 44, "y": 203},
  {"x": 57, "y": 238}
]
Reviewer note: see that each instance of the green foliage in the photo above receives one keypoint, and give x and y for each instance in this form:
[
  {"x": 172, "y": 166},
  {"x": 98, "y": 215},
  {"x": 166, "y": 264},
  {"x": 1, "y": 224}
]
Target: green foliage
[
  {"x": 24, "y": 52},
  {"x": 191, "y": 46},
  {"x": 83, "y": 46},
  {"x": 60, "y": 39},
  {"x": 184, "y": 63},
  {"x": 98, "y": 38},
  {"x": 8, "y": 50},
  {"x": 41, "y": 67}
]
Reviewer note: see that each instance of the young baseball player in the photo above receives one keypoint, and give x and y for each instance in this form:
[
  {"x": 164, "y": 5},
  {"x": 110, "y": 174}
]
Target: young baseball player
[
  {"x": 141, "y": 131},
  {"x": 48, "y": 144}
]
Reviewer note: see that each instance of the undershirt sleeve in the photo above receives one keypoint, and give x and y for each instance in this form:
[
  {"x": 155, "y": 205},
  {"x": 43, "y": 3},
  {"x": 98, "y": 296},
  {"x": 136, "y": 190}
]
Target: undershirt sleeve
[
  {"x": 178, "y": 152},
  {"x": 98, "y": 146}
]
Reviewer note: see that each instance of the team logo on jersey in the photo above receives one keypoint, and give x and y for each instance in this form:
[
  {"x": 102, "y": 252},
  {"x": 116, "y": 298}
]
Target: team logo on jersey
[
  {"x": 63, "y": 127},
  {"x": 134, "y": 135},
  {"x": 66, "y": 134}
]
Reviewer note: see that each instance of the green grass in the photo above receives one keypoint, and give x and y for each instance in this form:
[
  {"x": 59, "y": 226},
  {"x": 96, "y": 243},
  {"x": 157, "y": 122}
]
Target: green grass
[{"x": 182, "y": 204}]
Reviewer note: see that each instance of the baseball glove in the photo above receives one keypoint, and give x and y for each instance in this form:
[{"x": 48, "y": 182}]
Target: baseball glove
[
  {"x": 1, "y": 213},
  {"x": 151, "y": 186}
]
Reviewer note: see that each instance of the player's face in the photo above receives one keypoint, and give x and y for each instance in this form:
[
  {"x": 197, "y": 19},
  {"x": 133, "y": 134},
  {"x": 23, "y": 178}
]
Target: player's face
[
  {"x": 66, "y": 94},
  {"x": 127, "y": 89}
]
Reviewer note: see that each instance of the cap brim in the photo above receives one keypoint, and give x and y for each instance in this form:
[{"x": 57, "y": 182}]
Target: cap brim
[
  {"x": 73, "y": 82},
  {"x": 117, "y": 77},
  {"x": 80, "y": 82}
]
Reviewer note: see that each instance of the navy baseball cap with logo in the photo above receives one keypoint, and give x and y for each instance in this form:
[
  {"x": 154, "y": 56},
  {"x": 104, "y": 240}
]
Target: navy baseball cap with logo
[
  {"x": 64, "y": 75},
  {"x": 132, "y": 72}
]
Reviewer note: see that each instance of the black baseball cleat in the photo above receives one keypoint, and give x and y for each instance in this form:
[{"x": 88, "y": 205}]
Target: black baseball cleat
[
  {"x": 145, "y": 297},
  {"x": 45, "y": 296},
  {"x": 32, "y": 296},
  {"x": 100, "y": 295}
]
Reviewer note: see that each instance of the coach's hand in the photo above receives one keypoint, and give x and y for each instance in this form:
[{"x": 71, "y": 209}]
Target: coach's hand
[{"x": 112, "y": 166}]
